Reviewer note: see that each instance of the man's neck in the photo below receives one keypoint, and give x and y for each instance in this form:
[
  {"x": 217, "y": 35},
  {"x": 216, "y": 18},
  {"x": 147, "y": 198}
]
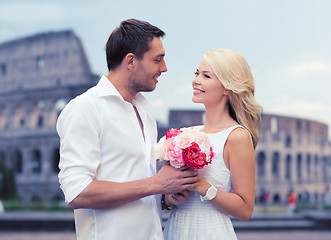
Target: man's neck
[{"x": 119, "y": 82}]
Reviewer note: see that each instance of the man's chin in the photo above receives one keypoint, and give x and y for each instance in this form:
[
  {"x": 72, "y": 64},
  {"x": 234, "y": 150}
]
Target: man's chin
[{"x": 149, "y": 89}]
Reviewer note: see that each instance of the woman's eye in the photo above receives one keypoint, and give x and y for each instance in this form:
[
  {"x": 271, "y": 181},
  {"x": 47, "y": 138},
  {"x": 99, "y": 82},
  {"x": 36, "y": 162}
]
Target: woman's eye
[
  {"x": 207, "y": 76},
  {"x": 196, "y": 73}
]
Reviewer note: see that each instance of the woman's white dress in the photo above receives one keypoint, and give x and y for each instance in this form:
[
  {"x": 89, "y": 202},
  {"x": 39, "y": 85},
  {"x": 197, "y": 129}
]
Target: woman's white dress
[{"x": 197, "y": 220}]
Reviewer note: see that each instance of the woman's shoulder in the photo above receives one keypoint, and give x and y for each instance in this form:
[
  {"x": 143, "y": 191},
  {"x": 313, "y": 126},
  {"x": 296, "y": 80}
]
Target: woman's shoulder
[{"x": 239, "y": 135}]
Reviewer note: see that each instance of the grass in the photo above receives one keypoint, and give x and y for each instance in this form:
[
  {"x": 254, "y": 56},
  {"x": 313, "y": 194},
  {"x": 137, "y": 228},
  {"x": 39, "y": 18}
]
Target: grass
[
  {"x": 278, "y": 209},
  {"x": 15, "y": 205}
]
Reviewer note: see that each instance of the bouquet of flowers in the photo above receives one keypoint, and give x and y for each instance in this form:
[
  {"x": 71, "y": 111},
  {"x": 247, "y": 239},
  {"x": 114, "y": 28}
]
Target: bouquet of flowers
[{"x": 185, "y": 147}]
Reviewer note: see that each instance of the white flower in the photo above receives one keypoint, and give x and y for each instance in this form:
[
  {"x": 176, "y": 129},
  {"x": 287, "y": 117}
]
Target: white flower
[{"x": 159, "y": 148}]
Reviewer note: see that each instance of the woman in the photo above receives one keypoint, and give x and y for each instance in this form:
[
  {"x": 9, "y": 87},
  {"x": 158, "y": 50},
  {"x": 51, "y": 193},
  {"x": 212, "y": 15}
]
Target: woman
[{"x": 224, "y": 84}]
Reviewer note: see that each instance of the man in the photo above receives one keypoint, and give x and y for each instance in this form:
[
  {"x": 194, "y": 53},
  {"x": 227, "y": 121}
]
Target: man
[{"x": 107, "y": 168}]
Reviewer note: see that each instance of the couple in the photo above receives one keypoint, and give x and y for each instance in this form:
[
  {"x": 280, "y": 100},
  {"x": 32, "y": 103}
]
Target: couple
[{"x": 107, "y": 166}]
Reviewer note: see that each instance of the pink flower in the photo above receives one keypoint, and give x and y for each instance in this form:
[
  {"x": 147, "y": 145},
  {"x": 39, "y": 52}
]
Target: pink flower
[
  {"x": 173, "y": 153},
  {"x": 186, "y": 146},
  {"x": 173, "y": 132},
  {"x": 193, "y": 157},
  {"x": 211, "y": 153},
  {"x": 183, "y": 140}
]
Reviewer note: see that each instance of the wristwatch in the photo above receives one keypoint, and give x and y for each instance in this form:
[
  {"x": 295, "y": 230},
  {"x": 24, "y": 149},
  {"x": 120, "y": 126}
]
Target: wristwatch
[
  {"x": 210, "y": 194},
  {"x": 164, "y": 205}
]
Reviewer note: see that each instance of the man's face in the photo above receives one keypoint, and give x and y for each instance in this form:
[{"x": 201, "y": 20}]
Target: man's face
[{"x": 149, "y": 68}]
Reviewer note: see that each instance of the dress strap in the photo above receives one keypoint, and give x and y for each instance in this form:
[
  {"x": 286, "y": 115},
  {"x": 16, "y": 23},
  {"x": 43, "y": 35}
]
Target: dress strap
[{"x": 227, "y": 132}]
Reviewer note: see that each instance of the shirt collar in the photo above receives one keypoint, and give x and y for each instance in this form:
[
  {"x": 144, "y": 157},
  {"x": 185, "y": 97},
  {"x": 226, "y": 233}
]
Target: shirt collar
[{"x": 106, "y": 88}]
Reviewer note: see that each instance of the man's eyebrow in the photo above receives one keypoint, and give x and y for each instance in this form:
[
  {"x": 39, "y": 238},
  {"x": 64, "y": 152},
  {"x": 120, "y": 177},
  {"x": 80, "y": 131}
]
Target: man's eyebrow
[{"x": 160, "y": 55}]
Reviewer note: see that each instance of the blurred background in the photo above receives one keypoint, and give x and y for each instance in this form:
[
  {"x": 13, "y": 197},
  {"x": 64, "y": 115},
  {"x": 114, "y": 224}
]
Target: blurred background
[{"x": 51, "y": 51}]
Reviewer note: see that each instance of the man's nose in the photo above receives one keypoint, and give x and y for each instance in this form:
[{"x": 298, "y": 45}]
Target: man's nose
[{"x": 163, "y": 67}]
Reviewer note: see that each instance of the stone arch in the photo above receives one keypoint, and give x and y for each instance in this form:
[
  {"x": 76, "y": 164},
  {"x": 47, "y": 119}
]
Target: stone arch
[
  {"x": 308, "y": 165},
  {"x": 299, "y": 166},
  {"x": 288, "y": 141},
  {"x": 17, "y": 161},
  {"x": 19, "y": 117},
  {"x": 288, "y": 167},
  {"x": 300, "y": 197},
  {"x": 2, "y": 157},
  {"x": 325, "y": 169},
  {"x": 275, "y": 164},
  {"x": 36, "y": 198},
  {"x": 261, "y": 164},
  {"x": 55, "y": 160},
  {"x": 316, "y": 166},
  {"x": 58, "y": 198},
  {"x": 56, "y": 110},
  {"x": 305, "y": 197},
  {"x": 276, "y": 198},
  {"x": 40, "y": 63},
  {"x": 316, "y": 197},
  {"x": 274, "y": 125},
  {"x": 36, "y": 164},
  {"x": 3, "y": 118},
  {"x": 37, "y": 116}
]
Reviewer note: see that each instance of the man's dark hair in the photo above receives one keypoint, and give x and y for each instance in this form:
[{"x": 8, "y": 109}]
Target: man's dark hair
[{"x": 132, "y": 36}]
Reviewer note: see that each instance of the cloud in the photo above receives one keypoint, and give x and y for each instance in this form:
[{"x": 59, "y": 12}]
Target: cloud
[
  {"x": 317, "y": 110},
  {"x": 46, "y": 13},
  {"x": 157, "y": 103},
  {"x": 185, "y": 89},
  {"x": 29, "y": 11},
  {"x": 305, "y": 68}
]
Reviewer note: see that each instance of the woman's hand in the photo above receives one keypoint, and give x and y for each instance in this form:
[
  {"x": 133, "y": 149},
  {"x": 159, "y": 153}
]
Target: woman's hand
[
  {"x": 172, "y": 200},
  {"x": 202, "y": 187}
]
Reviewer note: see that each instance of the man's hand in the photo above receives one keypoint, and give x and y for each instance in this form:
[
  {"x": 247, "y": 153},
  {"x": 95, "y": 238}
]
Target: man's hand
[{"x": 173, "y": 180}]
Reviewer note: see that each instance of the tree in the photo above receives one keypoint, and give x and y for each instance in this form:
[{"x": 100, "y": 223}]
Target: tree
[{"x": 7, "y": 182}]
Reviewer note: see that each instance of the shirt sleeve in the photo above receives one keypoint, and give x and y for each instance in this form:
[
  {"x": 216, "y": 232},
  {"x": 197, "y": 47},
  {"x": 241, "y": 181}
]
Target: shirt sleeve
[{"x": 78, "y": 129}]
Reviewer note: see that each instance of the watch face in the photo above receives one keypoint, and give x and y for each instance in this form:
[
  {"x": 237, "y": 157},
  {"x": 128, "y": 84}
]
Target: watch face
[{"x": 211, "y": 193}]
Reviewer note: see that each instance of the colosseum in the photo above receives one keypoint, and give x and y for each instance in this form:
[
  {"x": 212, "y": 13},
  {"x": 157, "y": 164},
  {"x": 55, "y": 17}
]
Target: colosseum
[
  {"x": 39, "y": 74},
  {"x": 293, "y": 154}
]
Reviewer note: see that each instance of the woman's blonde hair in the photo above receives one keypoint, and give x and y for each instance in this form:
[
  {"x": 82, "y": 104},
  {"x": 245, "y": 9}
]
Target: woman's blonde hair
[{"x": 235, "y": 75}]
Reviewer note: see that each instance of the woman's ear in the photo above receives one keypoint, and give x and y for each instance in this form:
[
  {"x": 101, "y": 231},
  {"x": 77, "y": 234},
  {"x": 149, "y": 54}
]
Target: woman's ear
[{"x": 227, "y": 92}]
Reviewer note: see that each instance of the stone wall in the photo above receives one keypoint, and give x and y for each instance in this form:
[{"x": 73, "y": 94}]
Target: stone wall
[{"x": 39, "y": 74}]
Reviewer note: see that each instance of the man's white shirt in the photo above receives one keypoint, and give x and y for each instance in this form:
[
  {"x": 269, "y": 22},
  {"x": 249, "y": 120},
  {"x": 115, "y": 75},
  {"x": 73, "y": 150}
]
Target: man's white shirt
[{"x": 101, "y": 139}]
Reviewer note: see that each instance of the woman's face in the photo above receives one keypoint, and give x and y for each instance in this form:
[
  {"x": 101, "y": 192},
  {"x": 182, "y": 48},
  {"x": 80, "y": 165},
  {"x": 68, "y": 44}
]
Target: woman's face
[{"x": 207, "y": 88}]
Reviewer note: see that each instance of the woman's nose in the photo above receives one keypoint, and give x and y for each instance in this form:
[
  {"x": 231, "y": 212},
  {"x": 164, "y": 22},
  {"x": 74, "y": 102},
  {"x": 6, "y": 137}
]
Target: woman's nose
[{"x": 196, "y": 80}]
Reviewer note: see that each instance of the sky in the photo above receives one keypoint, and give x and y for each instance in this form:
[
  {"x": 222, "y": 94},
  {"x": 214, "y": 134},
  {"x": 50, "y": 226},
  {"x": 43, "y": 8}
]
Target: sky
[{"x": 287, "y": 44}]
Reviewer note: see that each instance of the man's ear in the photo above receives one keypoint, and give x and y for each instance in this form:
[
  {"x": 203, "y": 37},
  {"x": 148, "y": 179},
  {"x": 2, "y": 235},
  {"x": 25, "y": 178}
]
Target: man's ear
[{"x": 130, "y": 61}]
